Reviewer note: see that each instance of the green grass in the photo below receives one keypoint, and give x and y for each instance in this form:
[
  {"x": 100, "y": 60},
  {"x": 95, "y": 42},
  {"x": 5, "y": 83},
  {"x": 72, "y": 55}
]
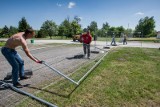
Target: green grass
[
  {"x": 107, "y": 39},
  {"x": 126, "y": 77},
  {"x": 153, "y": 39},
  {"x": 2, "y": 43}
]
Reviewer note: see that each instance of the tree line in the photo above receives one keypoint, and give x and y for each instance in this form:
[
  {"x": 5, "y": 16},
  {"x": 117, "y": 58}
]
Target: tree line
[{"x": 68, "y": 28}]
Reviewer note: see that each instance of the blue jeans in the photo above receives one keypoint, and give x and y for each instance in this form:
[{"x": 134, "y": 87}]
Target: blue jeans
[
  {"x": 86, "y": 49},
  {"x": 113, "y": 41},
  {"x": 15, "y": 61},
  {"x": 124, "y": 41}
]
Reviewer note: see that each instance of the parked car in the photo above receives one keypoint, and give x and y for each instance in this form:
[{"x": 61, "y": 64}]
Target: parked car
[{"x": 76, "y": 38}]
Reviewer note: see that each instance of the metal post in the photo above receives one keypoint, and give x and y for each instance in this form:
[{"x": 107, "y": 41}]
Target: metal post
[
  {"x": 28, "y": 94},
  {"x": 92, "y": 68},
  {"x": 32, "y": 96},
  {"x": 60, "y": 73},
  {"x": 106, "y": 39}
]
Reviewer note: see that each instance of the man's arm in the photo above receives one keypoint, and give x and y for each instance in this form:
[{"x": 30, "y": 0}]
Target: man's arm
[{"x": 26, "y": 50}]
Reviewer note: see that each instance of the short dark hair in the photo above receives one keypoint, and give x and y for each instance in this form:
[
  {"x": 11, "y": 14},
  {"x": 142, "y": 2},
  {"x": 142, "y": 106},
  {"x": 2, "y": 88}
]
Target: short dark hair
[{"x": 30, "y": 30}]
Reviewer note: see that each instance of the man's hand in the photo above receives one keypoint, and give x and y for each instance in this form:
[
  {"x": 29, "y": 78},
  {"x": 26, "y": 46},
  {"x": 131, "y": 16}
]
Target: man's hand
[{"x": 40, "y": 62}]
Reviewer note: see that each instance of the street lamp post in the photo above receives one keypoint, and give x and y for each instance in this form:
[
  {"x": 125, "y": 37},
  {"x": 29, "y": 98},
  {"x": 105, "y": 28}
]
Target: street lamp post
[
  {"x": 139, "y": 37},
  {"x": 107, "y": 46}
]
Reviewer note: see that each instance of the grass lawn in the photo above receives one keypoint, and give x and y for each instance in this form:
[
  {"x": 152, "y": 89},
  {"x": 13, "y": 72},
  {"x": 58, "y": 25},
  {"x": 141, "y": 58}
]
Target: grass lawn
[
  {"x": 2, "y": 44},
  {"x": 127, "y": 77},
  {"x": 153, "y": 39}
]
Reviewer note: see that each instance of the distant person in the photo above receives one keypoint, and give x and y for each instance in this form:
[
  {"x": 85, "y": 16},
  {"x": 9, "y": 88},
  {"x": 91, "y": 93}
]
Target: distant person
[
  {"x": 113, "y": 43},
  {"x": 95, "y": 39},
  {"x": 124, "y": 39},
  {"x": 86, "y": 40},
  {"x": 14, "y": 58}
]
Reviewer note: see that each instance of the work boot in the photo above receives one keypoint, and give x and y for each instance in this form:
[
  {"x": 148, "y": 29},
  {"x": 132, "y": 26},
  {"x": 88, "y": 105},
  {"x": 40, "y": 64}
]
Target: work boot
[
  {"x": 18, "y": 85},
  {"x": 24, "y": 77}
]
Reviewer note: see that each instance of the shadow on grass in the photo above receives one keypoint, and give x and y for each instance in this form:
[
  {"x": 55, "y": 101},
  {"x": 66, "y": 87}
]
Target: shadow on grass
[{"x": 71, "y": 88}]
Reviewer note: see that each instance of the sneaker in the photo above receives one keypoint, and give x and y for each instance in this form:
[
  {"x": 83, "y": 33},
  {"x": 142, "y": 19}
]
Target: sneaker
[
  {"x": 18, "y": 85},
  {"x": 24, "y": 77}
]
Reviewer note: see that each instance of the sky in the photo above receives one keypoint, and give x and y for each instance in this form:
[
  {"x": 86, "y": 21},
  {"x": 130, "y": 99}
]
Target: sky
[{"x": 116, "y": 13}]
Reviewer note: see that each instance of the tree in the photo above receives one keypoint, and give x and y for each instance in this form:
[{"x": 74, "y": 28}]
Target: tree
[
  {"x": 76, "y": 28},
  {"x": 105, "y": 28},
  {"x": 93, "y": 27},
  {"x": 49, "y": 28},
  {"x": 41, "y": 34},
  {"x": 120, "y": 30},
  {"x": 146, "y": 26},
  {"x": 101, "y": 33},
  {"x": 67, "y": 30},
  {"x": 85, "y": 29},
  {"x": 23, "y": 25},
  {"x": 129, "y": 32},
  {"x": 12, "y": 30},
  {"x": 0, "y": 30},
  {"x": 5, "y": 32},
  {"x": 77, "y": 19},
  {"x": 111, "y": 31}
]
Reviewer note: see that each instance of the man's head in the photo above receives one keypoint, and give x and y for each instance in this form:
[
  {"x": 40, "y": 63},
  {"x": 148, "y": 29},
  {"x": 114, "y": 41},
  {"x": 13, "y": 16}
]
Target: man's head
[{"x": 29, "y": 33}]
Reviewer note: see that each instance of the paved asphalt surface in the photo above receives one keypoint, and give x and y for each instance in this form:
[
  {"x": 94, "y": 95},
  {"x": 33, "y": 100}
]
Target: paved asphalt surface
[{"x": 62, "y": 57}]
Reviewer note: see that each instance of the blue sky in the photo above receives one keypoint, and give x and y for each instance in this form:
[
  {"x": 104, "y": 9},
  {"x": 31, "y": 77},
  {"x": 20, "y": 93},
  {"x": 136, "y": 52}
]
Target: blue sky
[{"x": 124, "y": 13}]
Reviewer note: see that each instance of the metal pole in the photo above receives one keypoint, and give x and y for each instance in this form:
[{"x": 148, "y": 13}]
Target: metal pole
[
  {"x": 60, "y": 73},
  {"x": 106, "y": 39},
  {"x": 43, "y": 62},
  {"x": 28, "y": 94},
  {"x": 92, "y": 68}
]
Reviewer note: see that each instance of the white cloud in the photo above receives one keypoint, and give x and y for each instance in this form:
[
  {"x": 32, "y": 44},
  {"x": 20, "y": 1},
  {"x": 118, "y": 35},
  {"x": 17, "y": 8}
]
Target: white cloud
[
  {"x": 59, "y": 5},
  {"x": 139, "y": 13},
  {"x": 71, "y": 4}
]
